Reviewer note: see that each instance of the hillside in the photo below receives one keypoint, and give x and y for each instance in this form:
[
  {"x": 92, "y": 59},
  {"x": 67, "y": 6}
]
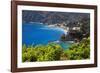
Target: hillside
[{"x": 53, "y": 17}]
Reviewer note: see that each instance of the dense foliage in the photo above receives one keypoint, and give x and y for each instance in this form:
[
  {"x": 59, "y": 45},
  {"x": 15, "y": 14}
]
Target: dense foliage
[
  {"x": 79, "y": 51},
  {"x": 53, "y": 52},
  {"x": 48, "y": 52},
  {"x": 85, "y": 27},
  {"x": 53, "y": 17}
]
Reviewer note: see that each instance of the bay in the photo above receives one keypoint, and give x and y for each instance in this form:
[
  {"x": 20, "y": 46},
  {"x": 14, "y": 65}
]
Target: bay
[{"x": 38, "y": 33}]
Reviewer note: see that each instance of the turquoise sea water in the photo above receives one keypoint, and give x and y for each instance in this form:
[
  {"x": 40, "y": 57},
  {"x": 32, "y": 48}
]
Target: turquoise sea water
[{"x": 36, "y": 33}]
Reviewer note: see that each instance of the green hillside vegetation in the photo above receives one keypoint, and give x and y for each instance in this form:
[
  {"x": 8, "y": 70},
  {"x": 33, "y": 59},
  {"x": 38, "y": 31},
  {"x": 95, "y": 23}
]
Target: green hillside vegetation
[
  {"x": 54, "y": 52},
  {"x": 49, "y": 17},
  {"x": 79, "y": 51}
]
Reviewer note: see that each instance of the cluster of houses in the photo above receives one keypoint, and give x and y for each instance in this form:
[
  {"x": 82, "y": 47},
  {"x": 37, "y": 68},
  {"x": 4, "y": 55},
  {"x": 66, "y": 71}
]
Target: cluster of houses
[{"x": 68, "y": 27}]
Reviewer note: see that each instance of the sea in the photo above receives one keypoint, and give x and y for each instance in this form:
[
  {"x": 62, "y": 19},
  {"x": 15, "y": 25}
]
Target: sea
[{"x": 42, "y": 34}]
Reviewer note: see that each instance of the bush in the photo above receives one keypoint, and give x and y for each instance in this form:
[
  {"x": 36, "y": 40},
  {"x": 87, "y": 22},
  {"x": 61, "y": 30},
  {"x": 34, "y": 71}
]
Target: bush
[
  {"x": 50, "y": 52},
  {"x": 79, "y": 51},
  {"x": 53, "y": 52}
]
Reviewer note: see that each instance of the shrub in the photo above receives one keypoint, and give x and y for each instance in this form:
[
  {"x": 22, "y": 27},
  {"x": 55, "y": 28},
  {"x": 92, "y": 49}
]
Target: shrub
[
  {"x": 50, "y": 52},
  {"x": 79, "y": 51},
  {"x": 53, "y": 52}
]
